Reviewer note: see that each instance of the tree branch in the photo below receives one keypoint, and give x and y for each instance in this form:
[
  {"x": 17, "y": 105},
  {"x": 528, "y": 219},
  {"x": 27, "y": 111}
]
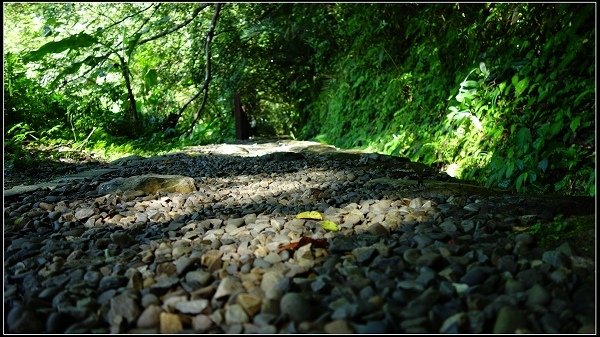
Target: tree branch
[
  {"x": 179, "y": 26},
  {"x": 207, "y": 74}
]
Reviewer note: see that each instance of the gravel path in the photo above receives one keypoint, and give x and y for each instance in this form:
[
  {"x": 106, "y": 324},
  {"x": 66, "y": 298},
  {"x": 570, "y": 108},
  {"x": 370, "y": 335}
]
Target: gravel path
[{"x": 415, "y": 252}]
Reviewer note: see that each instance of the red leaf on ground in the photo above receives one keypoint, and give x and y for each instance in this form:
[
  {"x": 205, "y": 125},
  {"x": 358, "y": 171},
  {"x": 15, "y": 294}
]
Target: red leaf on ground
[{"x": 317, "y": 243}]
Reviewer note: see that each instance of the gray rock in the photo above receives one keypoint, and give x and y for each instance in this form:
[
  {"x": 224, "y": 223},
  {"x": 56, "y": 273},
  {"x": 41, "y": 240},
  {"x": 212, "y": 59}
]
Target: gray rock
[
  {"x": 111, "y": 282},
  {"x": 411, "y": 255},
  {"x": 363, "y": 254},
  {"x": 149, "y": 184},
  {"x": 58, "y": 322},
  {"x": 235, "y": 314},
  {"x": 201, "y": 323},
  {"x": 125, "y": 306},
  {"x": 198, "y": 278},
  {"x": 371, "y": 327},
  {"x": 537, "y": 295},
  {"x": 192, "y": 307},
  {"x": 296, "y": 306},
  {"x": 274, "y": 284},
  {"x": 454, "y": 324},
  {"x": 509, "y": 320},
  {"x": 21, "y": 320},
  {"x": 555, "y": 258},
  {"x": 84, "y": 213},
  {"x": 474, "y": 276},
  {"x": 149, "y": 299},
  {"x": 150, "y": 317},
  {"x": 228, "y": 286}
]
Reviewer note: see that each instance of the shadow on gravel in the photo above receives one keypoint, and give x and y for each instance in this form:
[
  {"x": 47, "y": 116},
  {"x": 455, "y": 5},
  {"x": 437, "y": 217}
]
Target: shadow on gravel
[{"x": 355, "y": 279}]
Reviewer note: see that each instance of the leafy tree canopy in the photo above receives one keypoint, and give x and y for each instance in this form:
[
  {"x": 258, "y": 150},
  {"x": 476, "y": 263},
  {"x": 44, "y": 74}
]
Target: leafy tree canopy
[{"x": 503, "y": 94}]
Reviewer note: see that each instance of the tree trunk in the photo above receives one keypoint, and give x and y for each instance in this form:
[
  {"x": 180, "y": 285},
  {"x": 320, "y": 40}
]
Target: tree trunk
[
  {"x": 242, "y": 125},
  {"x": 132, "y": 114}
]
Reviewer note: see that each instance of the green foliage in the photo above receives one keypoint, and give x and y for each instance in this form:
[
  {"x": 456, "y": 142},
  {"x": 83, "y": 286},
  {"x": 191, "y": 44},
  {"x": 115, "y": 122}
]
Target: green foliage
[
  {"x": 521, "y": 117},
  {"x": 502, "y": 94},
  {"x": 553, "y": 234}
]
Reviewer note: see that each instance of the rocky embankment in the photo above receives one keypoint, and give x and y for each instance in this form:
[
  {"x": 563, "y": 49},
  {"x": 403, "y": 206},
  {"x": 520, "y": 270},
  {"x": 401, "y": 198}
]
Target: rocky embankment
[{"x": 209, "y": 241}]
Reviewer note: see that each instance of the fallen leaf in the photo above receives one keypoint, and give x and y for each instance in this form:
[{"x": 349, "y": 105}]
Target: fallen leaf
[
  {"x": 329, "y": 226},
  {"x": 317, "y": 243},
  {"x": 313, "y": 215}
]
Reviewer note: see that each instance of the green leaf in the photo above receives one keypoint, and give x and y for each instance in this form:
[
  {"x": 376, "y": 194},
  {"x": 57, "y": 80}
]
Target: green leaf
[
  {"x": 543, "y": 164},
  {"x": 484, "y": 69},
  {"x": 510, "y": 167},
  {"x": 515, "y": 80},
  {"x": 313, "y": 215},
  {"x": 72, "y": 42},
  {"x": 521, "y": 86},
  {"x": 520, "y": 180},
  {"x": 329, "y": 226},
  {"x": 151, "y": 78},
  {"x": 575, "y": 123},
  {"x": 132, "y": 43},
  {"x": 469, "y": 84},
  {"x": 523, "y": 138}
]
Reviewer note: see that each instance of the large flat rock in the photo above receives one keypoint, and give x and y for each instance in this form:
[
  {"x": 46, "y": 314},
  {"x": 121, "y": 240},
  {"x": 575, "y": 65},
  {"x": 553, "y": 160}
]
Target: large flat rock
[
  {"x": 16, "y": 190},
  {"x": 149, "y": 184}
]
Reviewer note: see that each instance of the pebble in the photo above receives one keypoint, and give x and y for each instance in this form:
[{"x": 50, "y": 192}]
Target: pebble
[
  {"x": 337, "y": 327},
  {"x": 170, "y": 323},
  {"x": 296, "y": 307},
  {"x": 150, "y": 317},
  {"x": 235, "y": 314}
]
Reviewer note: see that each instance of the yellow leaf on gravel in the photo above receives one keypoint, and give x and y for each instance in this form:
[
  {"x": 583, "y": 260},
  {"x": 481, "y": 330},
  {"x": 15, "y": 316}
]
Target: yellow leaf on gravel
[
  {"x": 314, "y": 215},
  {"x": 329, "y": 226}
]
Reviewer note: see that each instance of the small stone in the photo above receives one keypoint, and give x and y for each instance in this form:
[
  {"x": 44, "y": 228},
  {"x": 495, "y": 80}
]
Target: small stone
[
  {"x": 274, "y": 284},
  {"x": 192, "y": 307},
  {"x": 212, "y": 260},
  {"x": 20, "y": 320},
  {"x": 296, "y": 306},
  {"x": 272, "y": 258},
  {"x": 201, "y": 323},
  {"x": 338, "y": 327},
  {"x": 429, "y": 259},
  {"x": 377, "y": 229},
  {"x": 121, "y": 238},
  {"x": 170, "y": 323},
  {"x": 184, "y": 263},
  {"x": 537, "y": 295},
  {"x": 363, "y": 254},
  {"x": 509, "y": 320},
  {"x": 235, "y": 314},
  {"x": 84, "y": 213},
  {"x": 125, "y": 306},
  {"x": 227, "y": 286},
  {"x": 250, "y": 303},
  {"x": 150, "y": 299},
  {"x": 555, "y": 258},
  {"x": 474, "y": 276},
  {"x": 135, "y": 281},
  {"x": 473, "y": 207},
  {"x": 57, "y": 322},
  {"x": 198, "y": 278},
  {"x": 166, "y": 268},
  {"x": 411, "y": 255},
  {"x": 46, "y": 206},
  {"x": 259, "y": 329},
  {"x": 150, "y": 317},
  {"x": 371, "y": 327},
  {"x": 454, "y": 323},
  {"x": 235, "y": 222}
]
